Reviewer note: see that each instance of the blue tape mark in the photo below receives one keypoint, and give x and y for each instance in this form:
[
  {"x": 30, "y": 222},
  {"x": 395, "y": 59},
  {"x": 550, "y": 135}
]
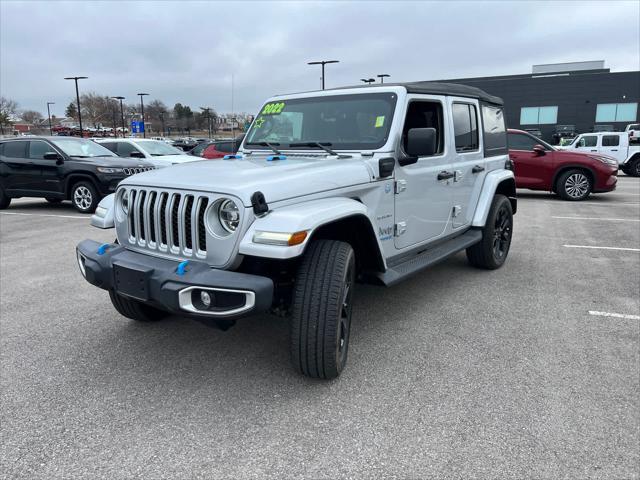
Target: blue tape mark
[
  {"x": 232, "y": 157},
  {"x": 103, "y": 248},
  {"x": 182, "y": 267},
  {"x": 271, "y": 158}
]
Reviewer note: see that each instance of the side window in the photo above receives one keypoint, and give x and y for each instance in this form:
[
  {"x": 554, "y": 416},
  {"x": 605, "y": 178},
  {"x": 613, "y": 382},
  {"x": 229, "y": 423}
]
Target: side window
[
  {"x": 610, "y": 140},
  {"x": 224, "y": 147},
  {"x": 423, "y": 114},
  {"x": 495, "y": 133},
  {"x": 518, "y": 141},
  {"x": 15, "y": 149},
  {"x": 110, "y": 146},
  {"x": 125, "y": 149},
  {"x": 465, "y": 127},
  {"x": 588, "y": 141},
  {"x": 37, "y": 149}
]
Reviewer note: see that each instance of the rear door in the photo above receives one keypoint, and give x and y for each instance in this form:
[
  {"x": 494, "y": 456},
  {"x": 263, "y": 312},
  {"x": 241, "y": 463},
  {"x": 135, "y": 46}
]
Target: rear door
[
  {"x": 611, "y": 146},
  {"x": 18, "y": 172},
  {"x": 468, "y": 159}
]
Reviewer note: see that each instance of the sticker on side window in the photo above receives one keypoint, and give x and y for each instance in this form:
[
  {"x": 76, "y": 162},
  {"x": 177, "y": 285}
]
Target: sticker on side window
[
  {"x": 379, "y": 121},
  {"x": 272, "y": 108}
]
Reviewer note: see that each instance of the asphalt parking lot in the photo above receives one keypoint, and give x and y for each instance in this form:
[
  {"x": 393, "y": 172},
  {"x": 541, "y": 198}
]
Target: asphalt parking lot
[{"x": 455, "y": 373}]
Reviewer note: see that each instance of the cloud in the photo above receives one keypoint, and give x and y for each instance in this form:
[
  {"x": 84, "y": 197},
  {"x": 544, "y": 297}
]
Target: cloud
[{"x": 188, "y": 51}]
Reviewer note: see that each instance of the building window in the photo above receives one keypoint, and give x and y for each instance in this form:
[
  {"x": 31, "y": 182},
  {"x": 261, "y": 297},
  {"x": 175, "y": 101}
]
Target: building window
[
  {"x": 616, "y": 112},
  {"x": 538, "y": 115}
]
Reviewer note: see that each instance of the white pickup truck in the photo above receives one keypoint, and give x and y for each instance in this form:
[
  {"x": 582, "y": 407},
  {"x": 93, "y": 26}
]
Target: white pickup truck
[{"x": 613, "y": 144}]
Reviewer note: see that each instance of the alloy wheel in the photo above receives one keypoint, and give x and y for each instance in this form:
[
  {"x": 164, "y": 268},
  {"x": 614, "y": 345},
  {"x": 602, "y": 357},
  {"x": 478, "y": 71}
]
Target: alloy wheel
[
  {"x": 577, "y": 185},
  {"x": 82, "y": 197}
]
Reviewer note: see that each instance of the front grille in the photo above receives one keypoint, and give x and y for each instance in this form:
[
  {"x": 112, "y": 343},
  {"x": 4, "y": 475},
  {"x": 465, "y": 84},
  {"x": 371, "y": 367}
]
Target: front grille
[
  {"x": 133, "y": 170},
  {"x": 168, "y": 222}
]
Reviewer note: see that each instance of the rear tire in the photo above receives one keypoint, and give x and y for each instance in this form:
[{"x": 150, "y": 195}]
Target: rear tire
[
  {"x": 135, "y": 310},
  {"x": 574, "y": 185},
  {"x": 491, "y": 252},
  {"x": 5, "y": 200},
  {"x": 84, "y": 197},
  {"x": 321, "y": 312},
  {"x": 633, "y": 169}
]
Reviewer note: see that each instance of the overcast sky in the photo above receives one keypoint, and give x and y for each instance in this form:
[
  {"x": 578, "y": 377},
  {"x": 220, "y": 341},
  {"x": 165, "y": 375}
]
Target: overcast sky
[{"x": 187, "y": 51}]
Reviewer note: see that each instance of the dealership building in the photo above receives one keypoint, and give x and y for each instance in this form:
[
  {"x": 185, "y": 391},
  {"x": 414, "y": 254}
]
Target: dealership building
[{"x": 564, "y": 99}]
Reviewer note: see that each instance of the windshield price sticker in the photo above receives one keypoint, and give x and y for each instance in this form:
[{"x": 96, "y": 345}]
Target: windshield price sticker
[
  {"x": 379, "y": 121},
  {"x": 272, "y": 108}
]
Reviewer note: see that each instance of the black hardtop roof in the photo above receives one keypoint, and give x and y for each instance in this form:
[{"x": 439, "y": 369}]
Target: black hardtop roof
[{"x": 440, "y": 88}]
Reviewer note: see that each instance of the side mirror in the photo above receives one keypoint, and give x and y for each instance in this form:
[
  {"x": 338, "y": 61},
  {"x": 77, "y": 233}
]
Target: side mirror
[
  {"x": 421, "y": 142},
  {"x": 137, "y": 155},
  {"x": 51, "y": 156},
  {"x": 539, "y": 150}
]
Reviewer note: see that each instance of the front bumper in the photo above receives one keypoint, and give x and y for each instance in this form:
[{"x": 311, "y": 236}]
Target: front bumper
[{"x": 171, "y": 285}]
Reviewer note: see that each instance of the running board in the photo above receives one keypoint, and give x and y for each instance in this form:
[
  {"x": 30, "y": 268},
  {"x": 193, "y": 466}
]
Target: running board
[{"x": 429, "y": 257}]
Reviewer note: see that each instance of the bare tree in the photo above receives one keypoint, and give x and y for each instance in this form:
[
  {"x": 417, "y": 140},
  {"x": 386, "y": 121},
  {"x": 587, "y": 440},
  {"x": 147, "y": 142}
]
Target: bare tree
[
  {"x": 31, "y": 116},
  {"x": 8, "y": 108}
]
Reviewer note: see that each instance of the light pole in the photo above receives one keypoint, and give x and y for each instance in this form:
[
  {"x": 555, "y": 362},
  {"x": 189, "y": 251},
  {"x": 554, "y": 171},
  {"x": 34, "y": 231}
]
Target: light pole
[
  {"x": 78, "y": 99},
  {"x": 323, "y": 63},
  {"x": 207, "y": 111},
  {"x": 162, "y": 122},
  {"x": 382, "y": 77},
  {"x": 121, "y": 114},
  {"x": 144, "y": 130},
  {"x": 368, "y": 81},
  {"x": 49, "y": 115}
]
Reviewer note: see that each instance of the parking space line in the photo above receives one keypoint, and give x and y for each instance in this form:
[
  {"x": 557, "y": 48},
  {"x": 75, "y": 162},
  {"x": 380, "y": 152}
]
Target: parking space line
[
  {"x": 600, "y": 218},
  {"x": 615, "y": 315},
  {"x": 559, "y": 202},
  {"x": 44, "y": 215},
  {"x": 624, "y": 249}
]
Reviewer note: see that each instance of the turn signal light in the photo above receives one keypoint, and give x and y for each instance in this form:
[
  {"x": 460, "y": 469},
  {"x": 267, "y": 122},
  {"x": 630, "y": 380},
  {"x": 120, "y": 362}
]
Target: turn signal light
[{"x": 284, "y": 239}]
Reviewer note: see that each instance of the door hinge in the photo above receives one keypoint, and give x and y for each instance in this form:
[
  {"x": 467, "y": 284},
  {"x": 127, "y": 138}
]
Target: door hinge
[
  {"x": 401, "y": 186},
  {"x": 399, "y": 228},
  {"x": 456, "y": 211}
]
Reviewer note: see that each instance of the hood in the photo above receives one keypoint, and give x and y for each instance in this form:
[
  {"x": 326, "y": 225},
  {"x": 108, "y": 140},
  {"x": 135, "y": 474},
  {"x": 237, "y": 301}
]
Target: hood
[
  {"x": 168, "y": 160},
  {"x": 277, "y": 179}
]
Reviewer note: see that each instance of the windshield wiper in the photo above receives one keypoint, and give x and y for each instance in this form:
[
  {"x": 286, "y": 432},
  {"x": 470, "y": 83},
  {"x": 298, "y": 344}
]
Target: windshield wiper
[
  {"x": 324, "y": 146},
  {"x": 271, "y": 145}
]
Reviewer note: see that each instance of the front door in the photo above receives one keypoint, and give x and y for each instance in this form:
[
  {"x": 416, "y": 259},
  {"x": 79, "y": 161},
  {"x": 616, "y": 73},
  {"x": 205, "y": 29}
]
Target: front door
[
  {"x": 468, "y": 161},
  {"x": 587, "y": 144},
  {"x": 532, "y": 170},
  {"x": 422, "y": 201}
]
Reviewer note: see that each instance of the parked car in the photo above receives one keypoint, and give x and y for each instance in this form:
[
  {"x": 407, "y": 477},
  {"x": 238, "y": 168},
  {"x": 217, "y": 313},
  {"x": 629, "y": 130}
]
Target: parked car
[
  {"x": 395, "y": 179},
  {"x": 634, "y": 132},
  {"x": 572, "y": 175},
  {"x": 613, "y": 144},
  {"x": 158, "y": 153},
  {"x": 62, "y": 168},
  {"x": 185, "y": 144},
  {"x": 217, "y": 149}
]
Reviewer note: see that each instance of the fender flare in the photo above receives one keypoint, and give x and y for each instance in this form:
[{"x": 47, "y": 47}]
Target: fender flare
[
  {"x": 103, "y": 217},
  {"x": 306, "y": 216},
  {"x": 500, "y": 181}
]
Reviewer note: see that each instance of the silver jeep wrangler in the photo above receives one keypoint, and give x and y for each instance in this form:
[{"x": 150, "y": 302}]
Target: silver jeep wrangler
[{"x": 367, "y": 184}]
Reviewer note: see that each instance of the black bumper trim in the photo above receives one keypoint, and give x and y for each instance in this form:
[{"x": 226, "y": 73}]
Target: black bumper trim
[{"x": 161, "y": 283}]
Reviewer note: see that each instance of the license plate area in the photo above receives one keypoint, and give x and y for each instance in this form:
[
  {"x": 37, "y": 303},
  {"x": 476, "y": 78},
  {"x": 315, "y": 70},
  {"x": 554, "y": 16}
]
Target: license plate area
[{"x": 131, "y": 281}]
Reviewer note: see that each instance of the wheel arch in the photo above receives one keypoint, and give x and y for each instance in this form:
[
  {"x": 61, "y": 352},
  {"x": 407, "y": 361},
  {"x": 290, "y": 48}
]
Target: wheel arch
[
  {"x": 565, "y": 168},
  {"x": 500, "y": 182},
  {"x": 74, "y": 178}
]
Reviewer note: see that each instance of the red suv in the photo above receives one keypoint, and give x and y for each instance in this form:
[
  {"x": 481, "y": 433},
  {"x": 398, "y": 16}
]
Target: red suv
[
  {"x": 217, "y": 149},
  {"x": 572, "y": 175}
]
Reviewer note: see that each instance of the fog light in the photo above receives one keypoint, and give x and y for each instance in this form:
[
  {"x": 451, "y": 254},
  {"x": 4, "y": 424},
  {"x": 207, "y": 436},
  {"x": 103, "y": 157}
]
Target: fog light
[{"x": 205, "y": 298}]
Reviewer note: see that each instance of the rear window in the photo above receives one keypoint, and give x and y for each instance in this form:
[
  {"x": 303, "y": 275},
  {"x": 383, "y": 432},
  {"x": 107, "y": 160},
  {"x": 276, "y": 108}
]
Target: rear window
[
  {"x": 610, "y": 140},
  {"x": 15, "y": 149},
  {"x": 495, "y": 132},
  {"x": 465, "y": 127}
]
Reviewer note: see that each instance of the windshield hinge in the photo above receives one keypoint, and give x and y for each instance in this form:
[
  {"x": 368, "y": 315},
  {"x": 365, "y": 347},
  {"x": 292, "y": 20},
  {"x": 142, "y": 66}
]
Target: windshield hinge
[{"x": 401, "y": 186}]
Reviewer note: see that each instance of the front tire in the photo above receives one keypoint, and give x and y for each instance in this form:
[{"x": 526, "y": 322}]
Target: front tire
[
  {"x": 322, "y": 306},
  {"x": 574, "y": 185},
  {"x": 491, "y": 252},
  {"x": 5, "y": 200},
  {"x": 84, "y": 197},
  {"x": 135, "y": 310}
]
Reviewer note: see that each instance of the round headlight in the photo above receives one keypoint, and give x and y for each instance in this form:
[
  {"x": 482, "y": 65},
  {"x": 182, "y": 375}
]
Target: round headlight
[
  {"x": 125, "y": 202},
  {"x": 229, "y": 215}
]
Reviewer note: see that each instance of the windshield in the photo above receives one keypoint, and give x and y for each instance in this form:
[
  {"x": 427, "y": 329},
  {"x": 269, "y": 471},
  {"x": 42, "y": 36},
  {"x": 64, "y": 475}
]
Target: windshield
[
  {"x": 346, "y": 122},
  {"x": 156, "y": 148},
  {"x": 76, "y": 147}
]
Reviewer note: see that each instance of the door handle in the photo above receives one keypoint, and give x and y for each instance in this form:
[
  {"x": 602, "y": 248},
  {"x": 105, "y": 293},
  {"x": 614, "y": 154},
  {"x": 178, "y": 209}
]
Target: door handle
[
  {"x": 614, "y": 149},
  {"x": 444, "y": 175},
  {"x": 594, "y": 150},
  {"x": 477, "y": 169}
]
